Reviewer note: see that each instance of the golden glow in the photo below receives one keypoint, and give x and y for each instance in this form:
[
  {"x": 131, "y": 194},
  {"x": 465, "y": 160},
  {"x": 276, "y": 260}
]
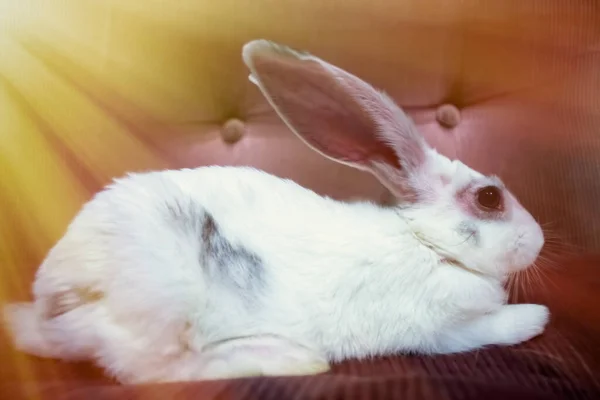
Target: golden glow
[
  {"x": 85, "y": 89},
  {"x": 61, "y": 71}
]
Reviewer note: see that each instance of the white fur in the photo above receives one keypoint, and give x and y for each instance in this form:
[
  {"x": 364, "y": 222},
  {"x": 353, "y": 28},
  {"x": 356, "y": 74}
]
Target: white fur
[
  {"x": 346, "y": 280},
  {"x": 341, "y": 280}
]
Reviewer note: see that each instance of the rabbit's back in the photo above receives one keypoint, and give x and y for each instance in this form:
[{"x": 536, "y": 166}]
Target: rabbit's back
[
  {"x": 217, "y": 252},
  {"x": 157, "y": 250}
]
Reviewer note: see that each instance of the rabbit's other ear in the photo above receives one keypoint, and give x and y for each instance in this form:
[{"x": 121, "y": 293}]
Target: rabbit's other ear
[{"x": 337, "y": 114}]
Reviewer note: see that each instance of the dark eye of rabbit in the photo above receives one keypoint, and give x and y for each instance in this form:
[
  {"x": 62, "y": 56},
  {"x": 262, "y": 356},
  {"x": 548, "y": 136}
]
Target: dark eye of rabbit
[{"x": 489, "y": 197}]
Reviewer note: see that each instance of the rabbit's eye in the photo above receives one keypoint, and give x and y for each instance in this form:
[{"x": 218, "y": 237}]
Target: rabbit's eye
[{"x": 489, "y": 198}]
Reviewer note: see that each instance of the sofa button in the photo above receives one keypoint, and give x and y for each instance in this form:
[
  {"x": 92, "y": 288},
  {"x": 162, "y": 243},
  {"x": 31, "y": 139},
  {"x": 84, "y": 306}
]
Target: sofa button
[
  {"x": 233, "y": 130},
  {"x": 448, "y": 115}
]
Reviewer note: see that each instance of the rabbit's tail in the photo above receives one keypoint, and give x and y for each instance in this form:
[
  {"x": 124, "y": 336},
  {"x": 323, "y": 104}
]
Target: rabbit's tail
[{"x": 23, "y": 323}]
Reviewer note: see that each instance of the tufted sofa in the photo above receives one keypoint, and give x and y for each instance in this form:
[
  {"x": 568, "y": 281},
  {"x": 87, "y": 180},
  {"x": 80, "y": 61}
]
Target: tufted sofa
[{"x": 90, "y": 90}]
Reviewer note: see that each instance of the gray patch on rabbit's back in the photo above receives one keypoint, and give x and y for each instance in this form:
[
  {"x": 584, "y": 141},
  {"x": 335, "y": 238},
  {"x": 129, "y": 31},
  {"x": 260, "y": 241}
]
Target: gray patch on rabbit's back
[
  {"x": 230, "y": 264},
  {"x": 470, "y": 232},
  {"x": 187, "y": 214}
]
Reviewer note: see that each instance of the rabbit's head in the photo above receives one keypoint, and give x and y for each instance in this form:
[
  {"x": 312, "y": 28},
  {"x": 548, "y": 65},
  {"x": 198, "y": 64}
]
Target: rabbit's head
[{"x": 469, "y": 219}]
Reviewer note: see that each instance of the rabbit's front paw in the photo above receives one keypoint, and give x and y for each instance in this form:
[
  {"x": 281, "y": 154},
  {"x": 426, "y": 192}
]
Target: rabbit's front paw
[
  {"x": 524, "y": 321},
  {"x": 511, "y": 324}
]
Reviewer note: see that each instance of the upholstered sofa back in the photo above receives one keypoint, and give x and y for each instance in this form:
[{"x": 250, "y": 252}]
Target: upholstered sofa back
[{"x": 91, "y": 90}]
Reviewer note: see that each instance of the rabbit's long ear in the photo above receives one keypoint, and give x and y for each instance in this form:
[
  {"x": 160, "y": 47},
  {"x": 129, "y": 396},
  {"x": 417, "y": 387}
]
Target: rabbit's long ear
[{"x": 337, "y": 114}]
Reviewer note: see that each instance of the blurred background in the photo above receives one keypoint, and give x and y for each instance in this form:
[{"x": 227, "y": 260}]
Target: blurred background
[{"x": 92, "y": 89}]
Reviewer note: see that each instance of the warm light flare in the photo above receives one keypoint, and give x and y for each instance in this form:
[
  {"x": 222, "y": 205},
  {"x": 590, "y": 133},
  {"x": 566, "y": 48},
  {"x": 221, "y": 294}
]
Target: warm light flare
[{"x": 63, "y": 75}]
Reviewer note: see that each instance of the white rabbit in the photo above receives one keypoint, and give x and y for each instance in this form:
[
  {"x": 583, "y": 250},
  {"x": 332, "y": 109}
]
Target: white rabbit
[{"x": 221, "y": 272}]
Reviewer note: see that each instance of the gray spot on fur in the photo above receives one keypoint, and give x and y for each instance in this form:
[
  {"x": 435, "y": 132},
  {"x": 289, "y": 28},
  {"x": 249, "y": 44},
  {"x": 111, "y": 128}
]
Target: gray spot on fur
[
  {"x": 229, "y": 264},
  {"x": 469, "y": 231},
  {"x": 224, "y": 263},
  {"x": 187, "y": 214}
]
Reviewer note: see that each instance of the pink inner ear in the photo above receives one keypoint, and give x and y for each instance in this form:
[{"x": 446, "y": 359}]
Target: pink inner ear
[{"x": 322, "y": 110}]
